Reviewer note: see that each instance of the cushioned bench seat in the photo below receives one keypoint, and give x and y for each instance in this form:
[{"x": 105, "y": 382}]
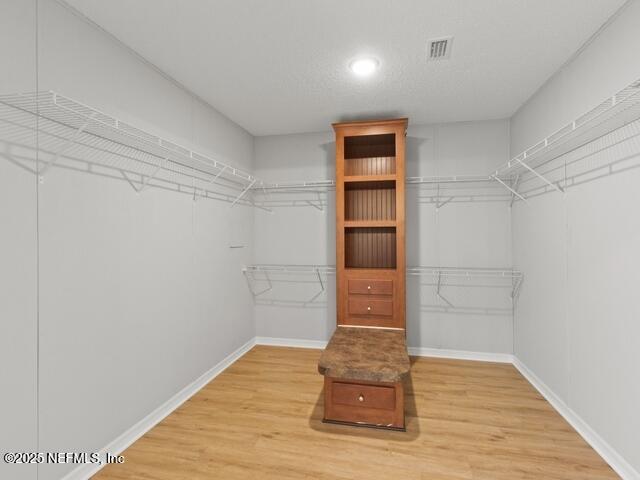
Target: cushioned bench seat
[{"x": 366, "y": 354}]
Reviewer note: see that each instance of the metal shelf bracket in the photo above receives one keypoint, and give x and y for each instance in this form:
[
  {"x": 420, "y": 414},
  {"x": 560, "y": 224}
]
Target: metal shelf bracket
[
  {"x": 243, "y": 193},
  {"x": 66, "y": 146},
  {"x": 541, "y": 177},
  {"x": 312, "y": 299},
  {"x": 504, "y": 184},
  {"x": 438, "y": 294},
  {"x": 251, "y": 286}
]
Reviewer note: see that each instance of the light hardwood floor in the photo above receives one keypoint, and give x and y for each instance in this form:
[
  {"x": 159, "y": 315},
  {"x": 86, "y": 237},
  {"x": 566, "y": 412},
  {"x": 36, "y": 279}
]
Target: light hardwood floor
[{"x": 261, "y": 419}]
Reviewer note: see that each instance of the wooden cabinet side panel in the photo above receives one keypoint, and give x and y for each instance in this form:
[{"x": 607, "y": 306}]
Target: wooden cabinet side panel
[
  {"x": 400, "y": 300},
  {"x": 341, "y": 282}
]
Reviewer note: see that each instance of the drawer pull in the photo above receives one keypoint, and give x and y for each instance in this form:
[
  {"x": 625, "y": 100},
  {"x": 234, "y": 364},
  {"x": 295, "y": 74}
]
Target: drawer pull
[
  {"x": 368, "y": 309},
  {"x": 361, "y": 398},
  {"x": 368, "y": 287}
]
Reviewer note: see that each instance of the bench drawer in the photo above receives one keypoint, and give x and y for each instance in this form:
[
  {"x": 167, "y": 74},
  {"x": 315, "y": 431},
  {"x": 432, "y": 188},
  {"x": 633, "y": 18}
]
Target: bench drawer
[
  {"x": 370, "y": 287},
  {"x": 362, "y": 403},
  {"x": 369, "y": 306},
  {"x": 368, "y": 396}
]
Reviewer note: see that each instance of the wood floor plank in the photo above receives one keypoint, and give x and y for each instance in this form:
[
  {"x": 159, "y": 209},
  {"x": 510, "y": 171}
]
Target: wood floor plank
[{"x": 261, "y": 419}]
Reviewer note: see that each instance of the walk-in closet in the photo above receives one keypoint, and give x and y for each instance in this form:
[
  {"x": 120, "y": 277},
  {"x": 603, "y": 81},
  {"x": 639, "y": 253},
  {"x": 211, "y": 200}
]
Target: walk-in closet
[{"x": 319, "y": 239}]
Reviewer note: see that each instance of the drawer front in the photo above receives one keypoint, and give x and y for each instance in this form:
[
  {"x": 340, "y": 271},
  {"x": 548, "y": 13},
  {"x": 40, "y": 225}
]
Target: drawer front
[
  {"x": 370, "y": 306},
  {"x": 370, "y": 287},
  {"x": 367, "y": 396}
]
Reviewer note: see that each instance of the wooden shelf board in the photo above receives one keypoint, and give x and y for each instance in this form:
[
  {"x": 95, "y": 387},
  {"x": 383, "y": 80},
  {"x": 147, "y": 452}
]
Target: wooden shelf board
[
  {"x": 370, "y": 269},
  {"x": 369, "y": 223},
  {"x": 369, "y": 178}
]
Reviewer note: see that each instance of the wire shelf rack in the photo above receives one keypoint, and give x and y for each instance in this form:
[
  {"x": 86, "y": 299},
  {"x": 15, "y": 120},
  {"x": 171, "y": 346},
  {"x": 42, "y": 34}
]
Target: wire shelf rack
[
  {"x": 262, "y": 278},
  {"x": 301, "y": 193},
  {"x": 437, "y": 190},
  {"x": 605, "y": 118},
  {"x": 74, "y": 135},
  {"x": 498, "y": 277},
  {"x": 512, "y": 180}
]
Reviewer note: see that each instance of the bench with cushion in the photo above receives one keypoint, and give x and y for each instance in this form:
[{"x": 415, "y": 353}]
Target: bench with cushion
[{"x": 363, "y": 370}]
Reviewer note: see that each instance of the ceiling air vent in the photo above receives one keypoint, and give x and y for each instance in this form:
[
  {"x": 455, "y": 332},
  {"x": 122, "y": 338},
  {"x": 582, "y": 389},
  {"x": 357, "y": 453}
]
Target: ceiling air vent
[{"x": 439, "y": 48}]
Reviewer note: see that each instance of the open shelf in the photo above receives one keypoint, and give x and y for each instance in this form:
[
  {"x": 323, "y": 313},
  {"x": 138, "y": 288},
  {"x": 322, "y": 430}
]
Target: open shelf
[
  {"x": 370, "y": 166},
  {"x": 74, "y": 135},
  {"x": 370, "y": 201},
  {"x": 370, "y": 247},
  {"x": 366, "y": 155}
]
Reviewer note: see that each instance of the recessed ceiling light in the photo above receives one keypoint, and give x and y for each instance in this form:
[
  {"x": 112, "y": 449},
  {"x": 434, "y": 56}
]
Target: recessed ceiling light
[{"x": 364, "y": 66}]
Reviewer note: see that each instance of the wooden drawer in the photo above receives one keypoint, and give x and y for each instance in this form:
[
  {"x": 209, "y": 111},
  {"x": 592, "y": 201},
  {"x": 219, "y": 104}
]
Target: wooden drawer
[
  {"x": 382, "y": 404},
  {"x": 368, "y": 396},
  {"x": 370, "y": 287},
  {"x": 370, "y": 306}
]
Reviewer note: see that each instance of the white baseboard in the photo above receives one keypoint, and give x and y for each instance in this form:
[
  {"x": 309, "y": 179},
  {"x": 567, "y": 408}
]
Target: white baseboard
[
  {"x": 290, "y": 342},
  {"x": 608, "y": 453},
  {"x": 414, "y": 351},
  {"x": 118, "y": 445},
  {"x": 461, "y": 355}
]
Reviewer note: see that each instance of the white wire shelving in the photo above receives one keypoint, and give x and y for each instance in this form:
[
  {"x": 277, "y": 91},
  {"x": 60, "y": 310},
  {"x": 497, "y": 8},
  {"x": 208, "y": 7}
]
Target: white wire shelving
[
  {"x": 511, "y": 181},
  {"x": 441, "y": 190},
  {"x": 262, "y": 278},
  {"x": 507, "y": 277},
  {"x": 75, "y": 136},
  {"x": 437, "y": 190},
  {"x": 302, "y": 193},
  {"x": 610, "y": 115},
  {"x": 268, "y": 274}
]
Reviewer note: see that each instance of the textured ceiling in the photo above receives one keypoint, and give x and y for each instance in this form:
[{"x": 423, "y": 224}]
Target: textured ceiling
[{"x": 280, "y": 66}]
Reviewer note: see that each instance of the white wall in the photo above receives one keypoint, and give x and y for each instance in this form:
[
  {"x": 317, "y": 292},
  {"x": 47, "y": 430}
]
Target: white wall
[
  {"x": 18, "y": 248},
  {"x": 466, "y": 235},
  {"x": 577, "y": 318},
  {"x": 140, "y": 294},
  {"x": 296, "y": 235}
]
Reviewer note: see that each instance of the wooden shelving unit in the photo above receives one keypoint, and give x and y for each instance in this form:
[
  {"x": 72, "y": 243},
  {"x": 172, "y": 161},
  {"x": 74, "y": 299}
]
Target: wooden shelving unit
[
  {"x": 370, "y": 223},
  {"x": 364, "y": 368}
]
